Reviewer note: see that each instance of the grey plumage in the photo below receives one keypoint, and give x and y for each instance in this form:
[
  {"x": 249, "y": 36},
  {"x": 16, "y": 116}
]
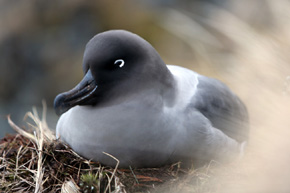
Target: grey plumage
[{"x": 146, "y": 113}]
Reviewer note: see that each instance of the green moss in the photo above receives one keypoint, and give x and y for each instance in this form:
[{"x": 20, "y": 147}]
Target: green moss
[{"x": 90, "y": 183}]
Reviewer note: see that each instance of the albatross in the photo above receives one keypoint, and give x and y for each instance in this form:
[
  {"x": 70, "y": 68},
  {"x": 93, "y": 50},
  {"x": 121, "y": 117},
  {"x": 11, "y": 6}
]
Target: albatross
[{"x": 131, "y": 105}]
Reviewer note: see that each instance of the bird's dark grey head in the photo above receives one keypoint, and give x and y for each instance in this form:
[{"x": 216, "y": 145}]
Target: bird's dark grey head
[{"x": 114, "y": 61}]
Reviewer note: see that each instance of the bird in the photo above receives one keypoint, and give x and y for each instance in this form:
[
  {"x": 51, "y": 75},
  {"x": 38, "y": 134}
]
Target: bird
[{"x": 134, "y": 107}]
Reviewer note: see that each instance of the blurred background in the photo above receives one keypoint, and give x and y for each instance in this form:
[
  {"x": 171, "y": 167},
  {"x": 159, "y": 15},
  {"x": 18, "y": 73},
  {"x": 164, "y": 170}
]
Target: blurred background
[{"x": 246, "y": 44}]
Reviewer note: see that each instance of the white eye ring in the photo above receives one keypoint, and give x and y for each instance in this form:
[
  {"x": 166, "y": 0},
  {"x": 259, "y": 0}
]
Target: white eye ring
[{"x": 121, "y": 62}]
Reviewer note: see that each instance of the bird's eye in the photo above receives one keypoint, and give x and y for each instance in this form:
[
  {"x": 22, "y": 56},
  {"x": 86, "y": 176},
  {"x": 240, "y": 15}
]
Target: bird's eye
[{"x": 120, "y": 63}]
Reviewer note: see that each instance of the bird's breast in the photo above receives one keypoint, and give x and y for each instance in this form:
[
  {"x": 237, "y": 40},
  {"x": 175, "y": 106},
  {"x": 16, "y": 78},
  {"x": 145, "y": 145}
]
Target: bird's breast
[{"x": 130, "y": 123}]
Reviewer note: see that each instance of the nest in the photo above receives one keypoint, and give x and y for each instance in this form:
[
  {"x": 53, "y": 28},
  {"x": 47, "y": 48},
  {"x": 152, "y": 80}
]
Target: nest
[{"x": 34, "y": 161}]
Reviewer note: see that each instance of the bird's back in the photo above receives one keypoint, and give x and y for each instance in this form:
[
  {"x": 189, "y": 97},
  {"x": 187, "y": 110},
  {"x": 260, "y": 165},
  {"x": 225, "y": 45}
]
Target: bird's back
[
  {"x": 212, "y": 99},
  {"x": 222, "y": 107}
]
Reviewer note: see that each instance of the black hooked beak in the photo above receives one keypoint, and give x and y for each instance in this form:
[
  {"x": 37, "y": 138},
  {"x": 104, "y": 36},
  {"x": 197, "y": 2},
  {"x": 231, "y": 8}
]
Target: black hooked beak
[{"x": 79, "y": 95}]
